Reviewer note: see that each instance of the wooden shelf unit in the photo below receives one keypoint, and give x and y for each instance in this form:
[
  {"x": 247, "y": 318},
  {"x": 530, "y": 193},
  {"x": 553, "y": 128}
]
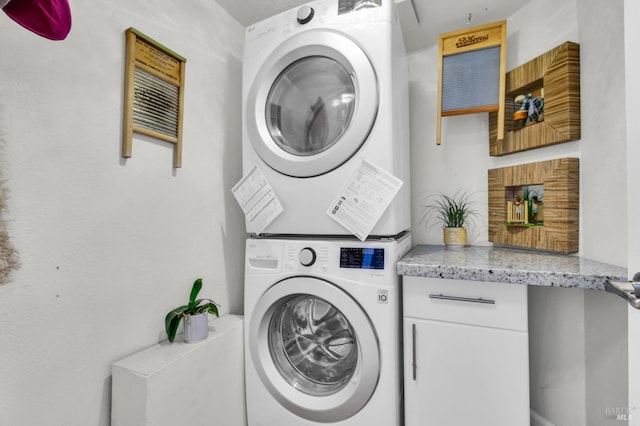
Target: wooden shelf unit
[
  {"x": 561, "y": 180},
  {"x": 558, "y": 73}
]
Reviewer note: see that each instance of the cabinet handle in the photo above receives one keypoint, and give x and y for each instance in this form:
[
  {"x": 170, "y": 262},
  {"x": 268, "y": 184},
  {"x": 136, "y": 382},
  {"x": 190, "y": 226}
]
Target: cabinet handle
[
  {"x": 462, "y": 299},
  {"x": 413, "y": 339}
]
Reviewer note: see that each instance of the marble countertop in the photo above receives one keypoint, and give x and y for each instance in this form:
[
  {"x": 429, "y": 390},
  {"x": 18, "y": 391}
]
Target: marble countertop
[{"x": 508, "y": 265}]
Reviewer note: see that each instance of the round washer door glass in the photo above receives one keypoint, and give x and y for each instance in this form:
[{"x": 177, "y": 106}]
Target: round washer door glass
[
  {"x": 314, "y": 349},
  {"x": 310, "y": 105},
  {"x": 313, "y": 345}
]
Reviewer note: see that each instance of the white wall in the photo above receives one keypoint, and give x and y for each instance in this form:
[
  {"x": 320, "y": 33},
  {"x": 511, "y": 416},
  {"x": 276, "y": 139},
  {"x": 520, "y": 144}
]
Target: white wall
[
  {"x": 463, "y": 159},
  {"x": 632, "y": 85},
  {"x": 572, "y": 360},
  {"x": 109, "y": 245},
  {"x": 604, "y": 189}
]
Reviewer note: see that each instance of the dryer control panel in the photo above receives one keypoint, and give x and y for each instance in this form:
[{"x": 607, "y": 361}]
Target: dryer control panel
[
  {"x": 322, "y": 14},
  {"x": 346, "y": 6}
]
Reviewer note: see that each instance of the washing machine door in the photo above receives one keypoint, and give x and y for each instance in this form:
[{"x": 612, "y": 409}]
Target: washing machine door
[
  {"x": 314, "y": 349},
  {"x": 312, "y": 104}
]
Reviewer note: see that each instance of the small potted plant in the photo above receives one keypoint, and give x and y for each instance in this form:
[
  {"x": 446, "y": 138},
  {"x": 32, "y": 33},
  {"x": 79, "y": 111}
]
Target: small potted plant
[
  {"x": 194, "y": 316},
  {"x": 454, "y": 213}
]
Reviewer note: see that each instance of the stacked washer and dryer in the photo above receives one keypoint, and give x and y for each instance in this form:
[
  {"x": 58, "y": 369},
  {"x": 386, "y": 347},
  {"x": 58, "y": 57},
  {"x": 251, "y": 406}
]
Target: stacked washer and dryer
[{"x": 324, "y": 88}]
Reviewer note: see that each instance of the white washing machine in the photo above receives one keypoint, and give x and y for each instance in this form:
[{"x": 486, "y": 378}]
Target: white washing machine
[
  {"x": 325, "y": 86},
  {"x": 322, "y": 332}
]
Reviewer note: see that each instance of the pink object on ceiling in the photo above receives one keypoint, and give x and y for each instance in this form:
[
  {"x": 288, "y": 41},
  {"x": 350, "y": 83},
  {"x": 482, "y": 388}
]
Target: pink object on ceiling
[{"x": 48, "y": 18}]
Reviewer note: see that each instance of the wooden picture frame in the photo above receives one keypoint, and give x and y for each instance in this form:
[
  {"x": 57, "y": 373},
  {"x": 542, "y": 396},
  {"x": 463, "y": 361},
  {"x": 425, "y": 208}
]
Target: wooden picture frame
[
  {"x": 557, "y": 73},
  {"x": 153, "y": 93},
  {"x": 561, "y": 182},
  {"x": 471, "y": 73}
]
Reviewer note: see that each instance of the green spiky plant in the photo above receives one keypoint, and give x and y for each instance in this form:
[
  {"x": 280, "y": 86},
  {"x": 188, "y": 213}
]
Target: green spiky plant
[
  {"x": 449, "y": 211},
  {"x": 194, "y": 307}
]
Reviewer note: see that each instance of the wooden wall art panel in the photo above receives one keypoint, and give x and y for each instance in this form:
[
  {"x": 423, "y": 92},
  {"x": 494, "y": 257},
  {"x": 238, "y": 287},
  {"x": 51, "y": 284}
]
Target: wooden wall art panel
[
  {"x": 557, "y": 74},
  {"x": 561, "y": 182}
]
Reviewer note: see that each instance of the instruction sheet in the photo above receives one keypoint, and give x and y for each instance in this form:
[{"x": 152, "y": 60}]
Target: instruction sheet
[
  {"x": 257, "y": 200},
  {"x": 364, "y": 198}
]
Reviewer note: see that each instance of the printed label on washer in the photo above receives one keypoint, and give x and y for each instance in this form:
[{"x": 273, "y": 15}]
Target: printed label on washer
[
  {"x": 364, "y": 198},
  {"x": 383, "y": 296}
]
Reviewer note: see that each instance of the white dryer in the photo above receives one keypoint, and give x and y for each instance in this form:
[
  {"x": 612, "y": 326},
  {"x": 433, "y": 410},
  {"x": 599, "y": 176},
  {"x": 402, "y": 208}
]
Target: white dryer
[
  {"x": 322, "y": 332},
  {"x": 325, "y": 86}
]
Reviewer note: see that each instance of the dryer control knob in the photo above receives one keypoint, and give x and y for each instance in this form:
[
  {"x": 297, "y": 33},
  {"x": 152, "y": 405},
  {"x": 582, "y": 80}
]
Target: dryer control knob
[
  {"x": 305, "y": 14},
  {"x": 307, "y": 256}
]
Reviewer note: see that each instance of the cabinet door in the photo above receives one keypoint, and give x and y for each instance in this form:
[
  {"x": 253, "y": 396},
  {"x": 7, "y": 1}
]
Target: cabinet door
[{"x": 465, "y": 375}]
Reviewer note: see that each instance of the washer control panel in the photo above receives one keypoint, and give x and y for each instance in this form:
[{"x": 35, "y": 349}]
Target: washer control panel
[
  {"x": 361, "y": 257},
  {"x": 307, "y": 256},
  {"x": 371, "y": 261},
  {"x": 318, "y": 256},
  {"x": 305, "y": 14}
]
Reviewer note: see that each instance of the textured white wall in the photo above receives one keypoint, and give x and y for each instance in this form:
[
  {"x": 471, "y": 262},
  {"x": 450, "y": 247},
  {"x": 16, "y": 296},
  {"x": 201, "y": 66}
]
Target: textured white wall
[
  {"x": 632, "y": 69},
  {"x": 463, "y": 159},
  {"x": 108, "y": 245},
  {"x": 604, "y": 202},
  {"x": 572, "y": 361}
]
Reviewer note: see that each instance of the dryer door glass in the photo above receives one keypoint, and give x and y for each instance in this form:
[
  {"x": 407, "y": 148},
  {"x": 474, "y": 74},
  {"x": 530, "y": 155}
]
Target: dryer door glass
[
  {"x": 310, "y": 105},
  {"x": 313, "y": 345}
]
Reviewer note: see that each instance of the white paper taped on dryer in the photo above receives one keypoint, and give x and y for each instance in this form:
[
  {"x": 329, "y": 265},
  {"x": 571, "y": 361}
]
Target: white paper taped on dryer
[
  {"x": 364, "y": 198},
  {"x": 257, "y": 199}
]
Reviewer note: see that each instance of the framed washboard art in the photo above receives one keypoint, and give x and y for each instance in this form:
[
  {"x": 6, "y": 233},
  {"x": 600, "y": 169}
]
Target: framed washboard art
[
  {"x": 154, "y": 93},
  {"x": 471, "y": 72}
]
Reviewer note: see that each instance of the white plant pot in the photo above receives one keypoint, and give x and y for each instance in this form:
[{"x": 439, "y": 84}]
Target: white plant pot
[{"x": 196, "y": 327}]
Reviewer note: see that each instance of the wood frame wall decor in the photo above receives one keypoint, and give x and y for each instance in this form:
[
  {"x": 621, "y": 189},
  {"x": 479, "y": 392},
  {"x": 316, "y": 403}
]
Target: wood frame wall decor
[
  {"x": 561, "y": 181},
  {"x": 473, "y": 78},
  {"x": 153, "y": 93},
  {"x": 557, "y": 72}
]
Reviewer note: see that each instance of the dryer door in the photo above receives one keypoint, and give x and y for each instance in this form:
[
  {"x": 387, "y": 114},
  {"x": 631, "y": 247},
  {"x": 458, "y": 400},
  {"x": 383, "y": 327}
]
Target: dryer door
[
  {"x": 314, "y": 349},
  {"x": 312, "y": 104}
]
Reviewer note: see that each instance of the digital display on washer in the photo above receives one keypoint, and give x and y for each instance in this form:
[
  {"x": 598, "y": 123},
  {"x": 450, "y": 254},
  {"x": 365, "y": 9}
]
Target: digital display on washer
[
  {"x": 347, "y": 6},
  {"x": 362, "y": 258}
]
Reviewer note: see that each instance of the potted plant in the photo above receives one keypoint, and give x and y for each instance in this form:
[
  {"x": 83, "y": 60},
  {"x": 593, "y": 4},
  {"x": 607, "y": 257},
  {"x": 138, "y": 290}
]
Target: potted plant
[
  {"x": 194, "y": 316},
  {"x": 453, "y": 213}
]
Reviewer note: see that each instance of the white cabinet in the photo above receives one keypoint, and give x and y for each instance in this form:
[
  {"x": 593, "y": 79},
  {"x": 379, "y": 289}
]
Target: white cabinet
[{"x": 466, "y": 353}]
